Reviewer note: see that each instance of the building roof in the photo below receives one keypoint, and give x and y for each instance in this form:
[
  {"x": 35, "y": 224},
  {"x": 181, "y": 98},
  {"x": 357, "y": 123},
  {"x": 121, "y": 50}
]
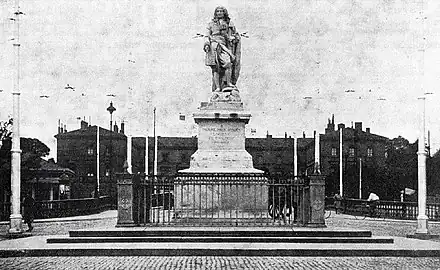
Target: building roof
[
  {"x": 51, "y": 166},
  {"x": 352, "y": 132},
  {"x": 90, "y": 131}
]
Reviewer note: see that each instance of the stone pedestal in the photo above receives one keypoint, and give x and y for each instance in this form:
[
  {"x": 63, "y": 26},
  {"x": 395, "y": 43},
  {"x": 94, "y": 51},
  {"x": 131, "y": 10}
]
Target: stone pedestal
[
  {"x": 125, "y": 202},
  {"x": 221, "y": 150},
  {"x": 317, "y": 201},
  {"x": 221, "y": 140}
]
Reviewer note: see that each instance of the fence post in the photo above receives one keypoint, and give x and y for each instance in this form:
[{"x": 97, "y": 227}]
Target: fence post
[
  {"x": 125, "y": 200},
  {"x": 316, "y": 201}
]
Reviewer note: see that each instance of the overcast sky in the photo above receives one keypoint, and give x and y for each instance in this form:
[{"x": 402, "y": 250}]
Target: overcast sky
[{"x": 296, "y": 48}]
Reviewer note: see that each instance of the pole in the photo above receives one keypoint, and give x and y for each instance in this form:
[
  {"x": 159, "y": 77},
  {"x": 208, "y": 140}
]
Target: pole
[
  {"x": 97, "y": 160},
  {"x": 295, "y": 156},
  {"x": 146, "y": 155},
  {"x": 155, "y": 141},
  {"x": 341, "y": 186},
  {"x": 129, "y": 145},
  {"x": 422, "y": 219},
  {"x": 16, "y": 225},
  {"x": 317, "y": 169},
  {"x": 360, "y": 178}
]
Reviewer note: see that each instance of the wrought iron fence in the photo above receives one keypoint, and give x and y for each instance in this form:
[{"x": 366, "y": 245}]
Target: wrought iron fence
[
  {"x": 64, "y": 208},
  {"x": 72, "y": 207},
  {"x": 392, "y": 209},
  {"x": 219, "y": 199}
]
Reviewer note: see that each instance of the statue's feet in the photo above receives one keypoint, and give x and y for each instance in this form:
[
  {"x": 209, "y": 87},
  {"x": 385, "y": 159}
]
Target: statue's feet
[{"x": 229, "y": 88}]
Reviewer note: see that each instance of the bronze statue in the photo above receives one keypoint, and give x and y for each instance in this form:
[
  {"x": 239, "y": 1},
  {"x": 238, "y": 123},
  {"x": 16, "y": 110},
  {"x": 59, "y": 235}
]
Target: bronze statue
[{"x": 222, "y": 47}]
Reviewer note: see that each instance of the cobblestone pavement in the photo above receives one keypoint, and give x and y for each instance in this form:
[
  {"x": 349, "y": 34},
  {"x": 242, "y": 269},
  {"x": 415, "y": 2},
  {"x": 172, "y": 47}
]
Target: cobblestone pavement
[{"x": 265, "y": 263}]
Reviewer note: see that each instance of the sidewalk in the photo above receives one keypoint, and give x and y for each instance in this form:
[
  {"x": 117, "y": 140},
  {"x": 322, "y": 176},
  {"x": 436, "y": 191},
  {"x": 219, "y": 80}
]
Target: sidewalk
[{"x": 103, "y": 215}]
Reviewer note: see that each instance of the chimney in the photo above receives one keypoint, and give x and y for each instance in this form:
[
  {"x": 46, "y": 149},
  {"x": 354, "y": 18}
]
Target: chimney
[
  {"x": 115, "y": 127},
  {"x": 341, "y": 126},
  {"x": 84, "y": 124},
  {"x": 358, "y": 126},
  {"x": 122, "y": 127},
  {"x": 367, "y": 130},
  {"x": 59, "y": 126},
  {"x": 65, "y": 129},
  {"x": 304, "y": 134},
  {"x": 285, "y": 135}
]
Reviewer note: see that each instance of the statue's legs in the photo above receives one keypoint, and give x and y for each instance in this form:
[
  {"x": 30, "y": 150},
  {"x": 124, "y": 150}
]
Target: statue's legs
[
  {"x": 216, "y": 78},
  {"x": 228, "y": 76}
]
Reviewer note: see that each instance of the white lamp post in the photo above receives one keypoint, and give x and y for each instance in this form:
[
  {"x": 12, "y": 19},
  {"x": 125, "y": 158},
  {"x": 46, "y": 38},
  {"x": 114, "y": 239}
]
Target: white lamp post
[
  {"x": 422, "y": 218},
  {"x": 16, "y": 224},
  {"x": 155, "y": 142},
  {"x": 341, "y": 185}
]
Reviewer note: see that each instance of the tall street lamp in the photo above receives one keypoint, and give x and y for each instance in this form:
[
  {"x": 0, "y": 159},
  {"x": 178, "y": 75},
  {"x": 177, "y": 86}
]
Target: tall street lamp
[
  {"x": 111, "y": 109},
  {"x": 15, "y": 223},
  {"x": 422, "y": 218}
]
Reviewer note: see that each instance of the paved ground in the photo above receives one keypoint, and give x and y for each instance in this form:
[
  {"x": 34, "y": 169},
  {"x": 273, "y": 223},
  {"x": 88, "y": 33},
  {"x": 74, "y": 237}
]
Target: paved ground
[
  {"x": 265, "y": 263},
  {"x": 108, "y": 220},
  {"x": 57, "y": 226}
]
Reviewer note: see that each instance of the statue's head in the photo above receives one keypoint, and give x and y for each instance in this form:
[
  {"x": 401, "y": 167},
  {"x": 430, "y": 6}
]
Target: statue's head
[{"x": 221, "y": 12}]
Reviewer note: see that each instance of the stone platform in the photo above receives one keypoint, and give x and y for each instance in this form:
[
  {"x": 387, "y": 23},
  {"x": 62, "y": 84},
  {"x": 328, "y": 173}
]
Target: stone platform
[{"x": 212, "y": 241}]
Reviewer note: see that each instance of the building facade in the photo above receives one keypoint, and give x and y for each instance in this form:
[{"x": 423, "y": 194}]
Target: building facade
[
  {"x": 77, "y": 150},
  {"x": 364, "y": 158}
]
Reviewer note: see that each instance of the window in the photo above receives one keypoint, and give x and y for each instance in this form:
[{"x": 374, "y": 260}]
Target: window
[
  {"x": 107, "y": 171},
  {"x": 90, "y": 151},
  {"x": 351, "y": 152},
  {"x": 90, "y": 171},
  {"x": 334, "y": 152},
  {"x": 369, "y": 152}
]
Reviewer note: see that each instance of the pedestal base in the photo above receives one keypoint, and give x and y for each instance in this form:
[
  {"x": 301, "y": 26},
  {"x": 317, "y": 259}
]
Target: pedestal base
[
  {"x": 218, "y": 161},
  {"x": 211, "y": 201}
]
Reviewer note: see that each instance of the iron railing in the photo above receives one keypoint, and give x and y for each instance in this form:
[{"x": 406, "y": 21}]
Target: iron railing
[
  {"x": 218, "y": 199},
  {"x": 72, "y": 207},
  {"x": 64, "y": 208},
  {"x": 392, "y": 209}
]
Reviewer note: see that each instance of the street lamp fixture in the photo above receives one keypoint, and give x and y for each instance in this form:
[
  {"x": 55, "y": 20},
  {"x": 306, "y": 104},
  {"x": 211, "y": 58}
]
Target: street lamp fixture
[{"x": 111, "y": 109}]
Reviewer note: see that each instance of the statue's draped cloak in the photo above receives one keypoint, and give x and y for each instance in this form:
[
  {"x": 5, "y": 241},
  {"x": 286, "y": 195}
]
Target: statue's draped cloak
[{"x": 219, "y": 44}]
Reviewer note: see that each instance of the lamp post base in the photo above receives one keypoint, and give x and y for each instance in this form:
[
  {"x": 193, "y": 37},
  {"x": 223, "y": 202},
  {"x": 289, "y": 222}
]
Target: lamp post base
[
  {"x": 422, "y": 225},
  {"x": 15, "y": 225}
]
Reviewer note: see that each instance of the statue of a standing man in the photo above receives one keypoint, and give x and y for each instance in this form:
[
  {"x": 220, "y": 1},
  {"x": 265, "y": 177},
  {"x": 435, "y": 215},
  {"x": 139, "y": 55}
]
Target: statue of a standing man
[{"x": 222, "y": 47}]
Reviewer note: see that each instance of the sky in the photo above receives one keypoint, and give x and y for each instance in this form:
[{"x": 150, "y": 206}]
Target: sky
[{"x": 363, "y": 61}]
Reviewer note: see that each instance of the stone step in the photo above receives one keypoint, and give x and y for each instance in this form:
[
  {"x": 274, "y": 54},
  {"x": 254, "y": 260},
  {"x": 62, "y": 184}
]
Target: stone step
[
  {"x": 147, "y": 232},
  {"x": 402, "y": 247},
  {"x": 229, "y": 239}
]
